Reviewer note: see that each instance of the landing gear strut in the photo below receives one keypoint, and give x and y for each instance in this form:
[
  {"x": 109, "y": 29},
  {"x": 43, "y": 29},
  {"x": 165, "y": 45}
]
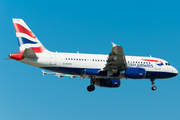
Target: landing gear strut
[
  {"x": 91, "y": 87},
  {"x": 153, "y": 87}
]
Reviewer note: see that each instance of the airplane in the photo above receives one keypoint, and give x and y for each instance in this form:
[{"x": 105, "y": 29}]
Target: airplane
[{"x": 102, "y": 70}]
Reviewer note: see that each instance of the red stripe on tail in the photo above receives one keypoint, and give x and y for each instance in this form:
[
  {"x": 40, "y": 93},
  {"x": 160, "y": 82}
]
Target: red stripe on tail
[
  {"x": 38, "y": 49},
  {"x": 20, "y": 29}
]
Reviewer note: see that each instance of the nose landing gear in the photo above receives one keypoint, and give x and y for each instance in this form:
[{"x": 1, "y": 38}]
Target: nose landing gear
[{"x": 153, "y": 87}]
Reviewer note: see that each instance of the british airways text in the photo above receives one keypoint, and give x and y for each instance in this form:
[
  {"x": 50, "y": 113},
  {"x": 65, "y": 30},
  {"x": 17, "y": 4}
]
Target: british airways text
[{"x": 140, "y": 65}]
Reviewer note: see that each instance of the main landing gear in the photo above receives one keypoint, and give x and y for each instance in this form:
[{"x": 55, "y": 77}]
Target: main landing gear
[
  {"x": 91, "y": 87},
  {"x": 153, "y": 87}
]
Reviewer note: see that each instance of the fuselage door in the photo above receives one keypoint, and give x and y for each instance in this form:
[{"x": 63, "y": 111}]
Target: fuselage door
[
  {"x": 52, "y": 59},
  {"x": 157, "y": 66}
]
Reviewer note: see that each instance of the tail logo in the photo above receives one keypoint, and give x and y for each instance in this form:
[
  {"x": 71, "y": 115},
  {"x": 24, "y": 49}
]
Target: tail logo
[
  {"x": 26, "y": 38},
  {"x": 20, "y": 29},
  {"x": 23, "y": 40}
]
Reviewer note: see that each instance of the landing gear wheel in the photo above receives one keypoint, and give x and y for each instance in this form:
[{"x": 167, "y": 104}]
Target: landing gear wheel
[
  {"x": 152, "y": 82},
  {"x": 91, "y": 88},
  {"x": 154, "y": 88}
]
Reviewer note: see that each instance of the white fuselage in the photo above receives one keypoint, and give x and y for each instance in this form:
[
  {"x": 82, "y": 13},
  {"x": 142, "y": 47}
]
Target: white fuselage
[{"x": 74, "y": 63}]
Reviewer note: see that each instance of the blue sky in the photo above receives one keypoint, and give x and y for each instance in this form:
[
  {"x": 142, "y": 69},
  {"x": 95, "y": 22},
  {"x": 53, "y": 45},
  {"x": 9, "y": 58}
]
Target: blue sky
[{"x": 141, "y": 27}]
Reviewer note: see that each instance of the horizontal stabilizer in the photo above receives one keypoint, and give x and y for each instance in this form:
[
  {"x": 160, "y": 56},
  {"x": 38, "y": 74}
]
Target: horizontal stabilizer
[
  {"x": 29, "y": 53},
  {"x": 7, "y": 59}
]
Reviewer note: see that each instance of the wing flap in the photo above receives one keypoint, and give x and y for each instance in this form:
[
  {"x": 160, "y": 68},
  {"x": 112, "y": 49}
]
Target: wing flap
[{"x": 59, "y": 75}]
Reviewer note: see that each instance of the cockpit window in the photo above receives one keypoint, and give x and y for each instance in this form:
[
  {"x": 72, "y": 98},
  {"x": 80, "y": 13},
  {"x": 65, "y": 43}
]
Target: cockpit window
[{"x": 167, "y": 64}]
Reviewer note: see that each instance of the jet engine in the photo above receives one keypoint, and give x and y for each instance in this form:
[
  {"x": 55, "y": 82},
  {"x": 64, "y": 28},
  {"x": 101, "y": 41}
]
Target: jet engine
[
  {"x": 135, "y": 73},
  {"x": 109, "y": 83}
]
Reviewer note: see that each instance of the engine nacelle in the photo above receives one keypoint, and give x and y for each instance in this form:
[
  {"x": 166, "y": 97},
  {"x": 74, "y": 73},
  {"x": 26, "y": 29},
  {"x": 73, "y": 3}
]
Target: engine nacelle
[
  {"x": 135, "y": 73},
  {"x": 110, "y": 83}
]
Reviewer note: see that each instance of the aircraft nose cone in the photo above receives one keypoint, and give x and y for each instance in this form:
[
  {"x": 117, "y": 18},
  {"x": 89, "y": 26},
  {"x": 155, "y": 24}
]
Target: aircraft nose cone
[{"x": 175, "y": 71}]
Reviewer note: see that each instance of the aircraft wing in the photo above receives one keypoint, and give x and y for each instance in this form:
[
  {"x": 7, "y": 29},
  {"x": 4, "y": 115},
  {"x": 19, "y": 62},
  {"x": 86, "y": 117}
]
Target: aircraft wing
[{"x": 116, "y": 59}]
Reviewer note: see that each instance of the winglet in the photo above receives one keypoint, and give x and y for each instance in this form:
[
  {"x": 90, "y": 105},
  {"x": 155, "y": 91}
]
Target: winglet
[
  {"x": 43, "y": 72},
  {"x": 114, "y": 45}
]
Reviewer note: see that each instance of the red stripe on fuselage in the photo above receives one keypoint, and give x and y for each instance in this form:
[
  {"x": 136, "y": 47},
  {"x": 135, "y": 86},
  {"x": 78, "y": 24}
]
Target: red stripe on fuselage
[
  {"x": 20, "y": 29},
  {"x": 150, "y": 60}
]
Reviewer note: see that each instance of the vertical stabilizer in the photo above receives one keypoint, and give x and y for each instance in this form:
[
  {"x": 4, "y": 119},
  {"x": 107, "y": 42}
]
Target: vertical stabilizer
[{"x": 26, "y": 37}]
